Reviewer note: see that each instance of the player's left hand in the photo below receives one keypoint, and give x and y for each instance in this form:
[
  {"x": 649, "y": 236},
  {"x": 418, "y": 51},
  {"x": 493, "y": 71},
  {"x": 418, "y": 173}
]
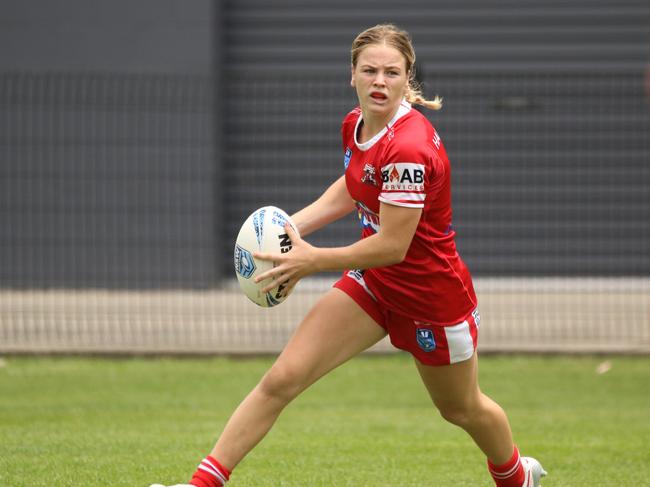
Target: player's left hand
[{"x": 291, "y": 266}]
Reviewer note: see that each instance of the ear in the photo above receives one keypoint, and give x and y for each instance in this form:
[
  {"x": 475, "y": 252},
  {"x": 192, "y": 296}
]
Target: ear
[
  {"x": 409, "y": 77},
  {"x": 352, "y": 75}
]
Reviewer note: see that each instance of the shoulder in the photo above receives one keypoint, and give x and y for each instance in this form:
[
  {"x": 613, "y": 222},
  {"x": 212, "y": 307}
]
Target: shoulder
[
  {"x": 414, "y": 127},
  {"x": 415, "y": 141},
  {"x": 412, "y": 138},
  {"x": 351, "y": 118}
]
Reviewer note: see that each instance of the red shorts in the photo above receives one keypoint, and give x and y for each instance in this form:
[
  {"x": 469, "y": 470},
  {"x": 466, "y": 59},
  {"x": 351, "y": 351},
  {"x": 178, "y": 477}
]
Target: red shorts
[{"x": 429, "y": 343}]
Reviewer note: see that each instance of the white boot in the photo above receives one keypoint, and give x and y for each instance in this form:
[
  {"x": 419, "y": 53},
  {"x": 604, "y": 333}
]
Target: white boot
[{"x": 533, "y": 471}]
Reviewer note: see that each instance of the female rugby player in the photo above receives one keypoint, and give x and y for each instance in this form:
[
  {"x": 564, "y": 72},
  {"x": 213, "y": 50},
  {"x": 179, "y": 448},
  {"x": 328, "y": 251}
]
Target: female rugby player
[{"x": 403, "y": 278}]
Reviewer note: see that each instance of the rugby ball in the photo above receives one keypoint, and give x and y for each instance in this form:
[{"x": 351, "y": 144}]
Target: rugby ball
[{"x": 263, "y": 231}]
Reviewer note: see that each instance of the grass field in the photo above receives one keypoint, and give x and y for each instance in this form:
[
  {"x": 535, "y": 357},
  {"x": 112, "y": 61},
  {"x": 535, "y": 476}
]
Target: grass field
[{"x": 100, "y": 422}]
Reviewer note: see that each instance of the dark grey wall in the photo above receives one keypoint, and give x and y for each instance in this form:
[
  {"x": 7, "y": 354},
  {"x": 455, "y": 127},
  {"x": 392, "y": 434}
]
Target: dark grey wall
[
  {"x": 108, "y": 144},
  {"x": 135, "y": 136},
  {"x": 545, "y": 120},
  {"x": 138, "y": 36}
]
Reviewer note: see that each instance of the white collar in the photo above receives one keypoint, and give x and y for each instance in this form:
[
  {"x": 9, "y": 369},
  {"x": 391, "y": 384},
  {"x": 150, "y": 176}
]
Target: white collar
[{"x": 404, "y": 108}]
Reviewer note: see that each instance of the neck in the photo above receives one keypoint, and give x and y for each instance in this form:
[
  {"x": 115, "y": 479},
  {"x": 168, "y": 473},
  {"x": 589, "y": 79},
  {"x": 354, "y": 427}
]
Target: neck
[{"x": 373, "y": 124}]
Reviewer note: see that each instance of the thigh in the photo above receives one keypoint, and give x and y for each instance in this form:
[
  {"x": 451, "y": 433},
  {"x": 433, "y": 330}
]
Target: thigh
[
  {"x": 335, "y": 330},
  {"x": 451, "y": 385}
]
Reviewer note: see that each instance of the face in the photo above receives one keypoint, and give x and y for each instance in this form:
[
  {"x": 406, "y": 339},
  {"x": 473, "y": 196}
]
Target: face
[{"x": 380, "y": 78}]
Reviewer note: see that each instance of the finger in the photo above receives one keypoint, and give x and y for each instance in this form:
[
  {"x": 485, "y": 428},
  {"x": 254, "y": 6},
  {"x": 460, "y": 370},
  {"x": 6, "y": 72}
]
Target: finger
[
  {"x": 270, "y": 274},
  {"x": 289, "y": 287},
  {"x": 293, "y": 235},
  {"x": 266, "y": 256},
  {"x": 275, "y": 283}
]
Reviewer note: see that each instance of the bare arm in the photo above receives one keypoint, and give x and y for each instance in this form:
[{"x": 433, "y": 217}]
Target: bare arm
[
  {"x": 332, "y": 205},
  {"x": 388, "y": 246}
]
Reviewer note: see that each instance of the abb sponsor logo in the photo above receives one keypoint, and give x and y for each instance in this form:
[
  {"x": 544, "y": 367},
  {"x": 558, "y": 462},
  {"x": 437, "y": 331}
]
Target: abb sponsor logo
[{"x": 403, "y": 176}]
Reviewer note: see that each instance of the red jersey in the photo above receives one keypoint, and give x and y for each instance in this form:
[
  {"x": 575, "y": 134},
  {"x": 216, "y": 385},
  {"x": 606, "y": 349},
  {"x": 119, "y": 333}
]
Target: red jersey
[{"x": 406, "y": 165}]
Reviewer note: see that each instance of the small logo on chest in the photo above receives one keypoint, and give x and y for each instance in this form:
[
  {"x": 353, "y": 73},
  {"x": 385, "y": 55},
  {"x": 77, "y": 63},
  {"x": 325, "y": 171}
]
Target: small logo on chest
[{"x": 369, "y": 175}]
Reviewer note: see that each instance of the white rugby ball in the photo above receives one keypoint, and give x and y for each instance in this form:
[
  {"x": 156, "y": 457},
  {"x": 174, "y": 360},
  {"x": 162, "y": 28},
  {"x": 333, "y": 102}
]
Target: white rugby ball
[{"x": 263, "y": 231}]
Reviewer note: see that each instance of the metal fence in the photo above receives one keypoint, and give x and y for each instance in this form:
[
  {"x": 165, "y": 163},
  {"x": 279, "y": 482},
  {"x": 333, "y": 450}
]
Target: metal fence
[{"x": 118, "y": 208}]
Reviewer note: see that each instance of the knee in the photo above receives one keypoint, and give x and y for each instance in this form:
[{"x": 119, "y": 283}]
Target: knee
[
  {"x": 460, "y": 414},
  {"x": 282, "y": 382}
]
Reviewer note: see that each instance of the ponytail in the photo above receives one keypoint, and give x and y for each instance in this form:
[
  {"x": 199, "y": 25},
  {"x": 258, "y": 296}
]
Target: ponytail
[{"x": 414, "y": 96}]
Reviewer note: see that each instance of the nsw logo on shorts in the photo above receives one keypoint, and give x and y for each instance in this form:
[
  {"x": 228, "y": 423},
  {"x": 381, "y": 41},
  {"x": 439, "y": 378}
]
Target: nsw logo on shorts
[{"x": 425, "y": 338}]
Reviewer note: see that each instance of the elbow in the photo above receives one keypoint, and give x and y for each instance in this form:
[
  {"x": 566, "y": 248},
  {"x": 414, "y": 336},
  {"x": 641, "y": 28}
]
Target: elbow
[
  {"x": 396, "y": 255},
  {"x": 390, "y": 249}
]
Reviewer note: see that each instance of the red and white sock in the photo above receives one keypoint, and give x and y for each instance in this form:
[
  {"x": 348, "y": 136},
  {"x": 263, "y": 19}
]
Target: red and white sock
[
  {"x": 210, "y": 473},
  {"x": 510, "y": 474}
]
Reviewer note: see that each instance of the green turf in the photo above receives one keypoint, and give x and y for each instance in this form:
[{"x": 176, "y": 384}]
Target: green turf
[{"x": 94, "y": 422}]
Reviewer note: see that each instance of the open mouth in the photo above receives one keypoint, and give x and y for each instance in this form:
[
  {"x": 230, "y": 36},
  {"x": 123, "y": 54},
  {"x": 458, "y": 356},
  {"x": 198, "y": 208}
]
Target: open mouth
[{"x": 378, "y": 96}]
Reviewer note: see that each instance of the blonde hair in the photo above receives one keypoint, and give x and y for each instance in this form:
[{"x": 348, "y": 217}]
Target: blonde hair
[{"x": 392, "y": 36}]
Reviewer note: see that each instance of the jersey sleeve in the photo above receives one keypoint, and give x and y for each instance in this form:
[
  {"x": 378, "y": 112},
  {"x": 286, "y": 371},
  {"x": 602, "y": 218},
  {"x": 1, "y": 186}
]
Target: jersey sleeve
[
  {"x": 406, "y": 176},
  {"x": 403, "y": 184},
  {"x": 412, "y": 169},
  {"x": 348, "y": 124}
]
